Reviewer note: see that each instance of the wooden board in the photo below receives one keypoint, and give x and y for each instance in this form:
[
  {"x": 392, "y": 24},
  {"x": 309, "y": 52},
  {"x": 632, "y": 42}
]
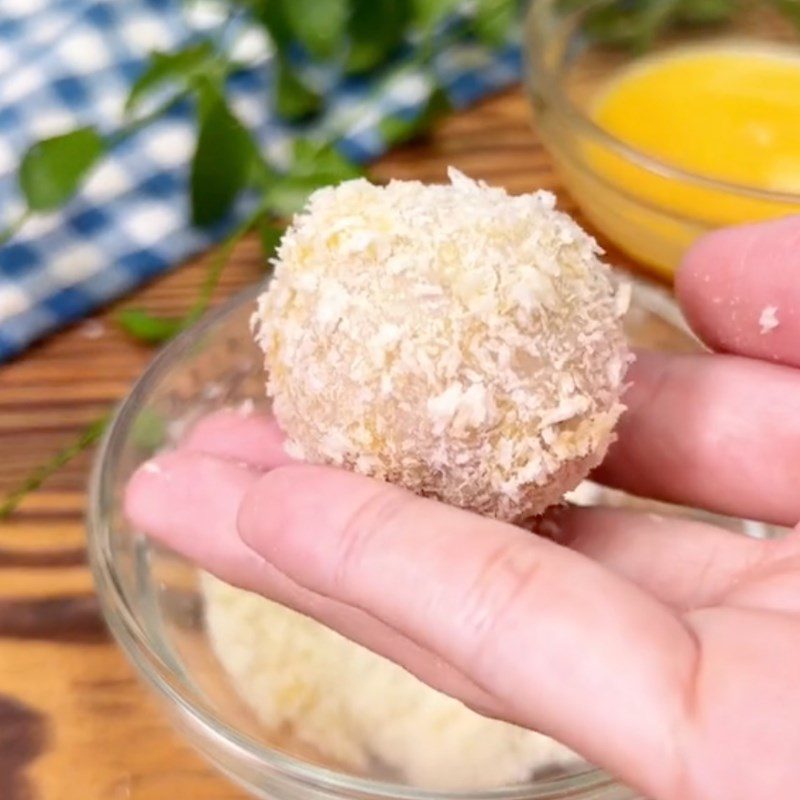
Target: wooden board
[{"x": 74, "y": 722}]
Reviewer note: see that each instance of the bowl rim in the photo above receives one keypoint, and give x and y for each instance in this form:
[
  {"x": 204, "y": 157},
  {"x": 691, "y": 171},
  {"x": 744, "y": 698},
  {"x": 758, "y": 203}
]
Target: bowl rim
[
  {"x": 158, "y": 669},
  {"x": 547, "y": 84}
]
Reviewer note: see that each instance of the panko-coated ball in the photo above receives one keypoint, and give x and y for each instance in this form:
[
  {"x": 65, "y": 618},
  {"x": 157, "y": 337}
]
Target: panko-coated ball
[{"x": 453, "y": 339}]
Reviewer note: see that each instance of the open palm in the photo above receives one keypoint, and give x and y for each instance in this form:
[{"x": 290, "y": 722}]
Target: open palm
[{"x": 665, "y": 651}]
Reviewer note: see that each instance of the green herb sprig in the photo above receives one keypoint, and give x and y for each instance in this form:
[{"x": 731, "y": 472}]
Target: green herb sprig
[
  {"x": 227, "y": 167},
  {"x": 88, "y": 436}
]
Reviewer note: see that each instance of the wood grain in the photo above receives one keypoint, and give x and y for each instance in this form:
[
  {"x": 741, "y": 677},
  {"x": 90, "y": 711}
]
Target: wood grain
[{"x": 74, "y": 722}]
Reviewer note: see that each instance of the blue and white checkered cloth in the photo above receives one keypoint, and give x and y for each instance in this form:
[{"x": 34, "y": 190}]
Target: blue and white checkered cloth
[{"x": 65, "y": 63}]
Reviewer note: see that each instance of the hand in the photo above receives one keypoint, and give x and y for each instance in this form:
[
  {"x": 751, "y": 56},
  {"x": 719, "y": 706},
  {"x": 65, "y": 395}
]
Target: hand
[{"x": 667, "y": 652}]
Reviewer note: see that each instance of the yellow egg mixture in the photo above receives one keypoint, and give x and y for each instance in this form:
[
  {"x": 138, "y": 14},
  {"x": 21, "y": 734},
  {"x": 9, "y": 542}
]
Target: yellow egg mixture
[{"x": 729, "y": 112}]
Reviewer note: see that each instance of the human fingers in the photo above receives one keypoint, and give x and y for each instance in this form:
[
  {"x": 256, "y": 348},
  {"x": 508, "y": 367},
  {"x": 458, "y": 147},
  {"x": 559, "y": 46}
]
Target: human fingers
[
  {"x": 714, "y": 432},
  {"x": 253, "y": 438},
  {"x": 739, "y": 290},
  {"x": 567, "y": 646},
  {"x": 719, "y": 433},
  {"x": 190, "y": 502},
  {"x": 684, "y": 563}
]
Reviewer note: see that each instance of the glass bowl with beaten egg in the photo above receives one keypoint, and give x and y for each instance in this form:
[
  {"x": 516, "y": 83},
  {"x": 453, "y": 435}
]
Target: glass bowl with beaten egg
[{"x": 667, "y": 120}]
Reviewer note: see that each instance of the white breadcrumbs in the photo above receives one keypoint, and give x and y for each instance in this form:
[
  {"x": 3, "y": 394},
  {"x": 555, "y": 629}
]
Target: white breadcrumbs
[
  {"x": 768, "y": 320},
  {"x": 454, "y": 339},
  {"x": 358, "y": 709}
]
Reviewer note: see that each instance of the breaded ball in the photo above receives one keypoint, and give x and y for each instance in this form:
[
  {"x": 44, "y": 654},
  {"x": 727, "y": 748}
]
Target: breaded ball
[{"x": 453, "y": 339}]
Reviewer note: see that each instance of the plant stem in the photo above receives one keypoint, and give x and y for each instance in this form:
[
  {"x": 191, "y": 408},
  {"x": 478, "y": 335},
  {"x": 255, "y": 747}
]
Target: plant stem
[
  {"x": 39, "y": 475},
  {"x": 14, "y": 228},
  {"x": 135, "y": 125},
  {"x": 215, "y": 268}
]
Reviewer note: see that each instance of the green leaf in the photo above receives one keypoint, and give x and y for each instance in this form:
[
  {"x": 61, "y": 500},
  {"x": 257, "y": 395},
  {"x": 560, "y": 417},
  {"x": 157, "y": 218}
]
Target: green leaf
[
  {"x": 290, "y": 192},
  {"x": 293, "y": 99},
  {"x": 222, "y": 161},
  {"x": 376, "y": 28},
  {"x": 315, "y": 164},
  {"x": 164, "y": 68},
  {"x": 323, "y": 159},
  {"x": 146, "y": 327},
  {"x": 429, "y": 13},
  {"x": 318, "y": 25},
  {"x": 271, "y": 236},
  {"x": 53, "y": 169},
  {"x": 397, "y": 130},
  {"x": 272, "y": 16},
  {"x": 207, "y": 92},
  {"x": 494, "y": 20}
]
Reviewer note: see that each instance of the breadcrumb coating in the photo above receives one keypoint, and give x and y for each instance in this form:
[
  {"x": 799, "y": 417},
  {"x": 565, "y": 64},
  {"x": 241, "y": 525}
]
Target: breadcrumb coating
[
  {"x": 768, "y": 320},
  {"x": 454, "y": 339}
]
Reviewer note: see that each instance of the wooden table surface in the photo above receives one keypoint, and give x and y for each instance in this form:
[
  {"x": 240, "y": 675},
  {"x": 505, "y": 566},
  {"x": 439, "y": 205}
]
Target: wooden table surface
[{"x": 74, "y": 722}]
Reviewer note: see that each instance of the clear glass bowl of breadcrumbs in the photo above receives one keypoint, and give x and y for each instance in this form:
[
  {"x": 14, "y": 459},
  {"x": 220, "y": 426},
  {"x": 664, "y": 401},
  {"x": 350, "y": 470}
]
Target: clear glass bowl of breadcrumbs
[{"x": 153, "y": 602}]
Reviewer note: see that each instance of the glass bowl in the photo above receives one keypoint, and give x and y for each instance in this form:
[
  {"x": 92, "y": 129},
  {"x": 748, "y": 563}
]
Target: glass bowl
[
  {"x": 627, "y": 194},
  {"x": 151, "y": 599}
]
